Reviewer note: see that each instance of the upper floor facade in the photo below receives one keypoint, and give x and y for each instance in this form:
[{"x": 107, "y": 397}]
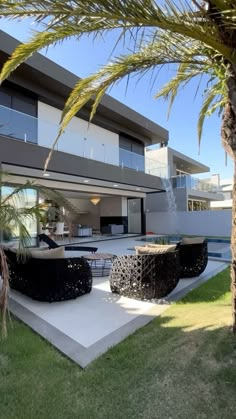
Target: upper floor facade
[
  {"x": 190, "y": 192},
  {"x": 226, "y": 189},
  {"x": 30, "y": 108}
]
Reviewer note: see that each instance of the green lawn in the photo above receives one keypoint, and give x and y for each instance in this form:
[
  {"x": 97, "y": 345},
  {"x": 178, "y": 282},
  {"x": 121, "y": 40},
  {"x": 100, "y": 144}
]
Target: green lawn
[{"x": 181, "y": 365}]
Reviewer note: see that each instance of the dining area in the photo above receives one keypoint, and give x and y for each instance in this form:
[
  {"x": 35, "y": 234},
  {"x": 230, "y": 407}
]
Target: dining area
[{"x": 52, "y": 220}]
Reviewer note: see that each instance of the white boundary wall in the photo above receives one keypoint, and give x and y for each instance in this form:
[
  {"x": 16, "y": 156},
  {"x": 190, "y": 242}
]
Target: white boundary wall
[{"x": 202, "y": 223}]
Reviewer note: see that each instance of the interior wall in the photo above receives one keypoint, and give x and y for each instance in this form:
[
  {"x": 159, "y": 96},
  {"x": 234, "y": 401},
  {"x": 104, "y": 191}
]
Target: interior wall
[
  {"x": 90, "y": 218},
  {"x": 111, "y": 206}
]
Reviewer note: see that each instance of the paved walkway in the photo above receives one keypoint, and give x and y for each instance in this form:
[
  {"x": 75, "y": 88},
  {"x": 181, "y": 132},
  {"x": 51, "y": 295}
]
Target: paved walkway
[{"x": 86, "y": 327}]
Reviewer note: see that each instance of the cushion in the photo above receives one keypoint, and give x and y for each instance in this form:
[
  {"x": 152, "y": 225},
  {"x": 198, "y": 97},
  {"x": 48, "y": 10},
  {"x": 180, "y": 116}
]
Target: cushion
[
  {"x": 146, "y": 250},
  {"x": 192, "y": 240},
  {"x": 58, "y": 253},
  {"x": 9, "y": 246},
  {"x": 158, "y": 245}
]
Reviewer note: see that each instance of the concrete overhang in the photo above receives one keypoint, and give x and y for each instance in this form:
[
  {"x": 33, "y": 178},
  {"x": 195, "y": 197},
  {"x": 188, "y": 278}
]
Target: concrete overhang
[
  {"x": 187, "y": 164},
  {"x": 209, "y": 196},
  {"x": 52, "y": 84},
  {"x": 65, "y": 167}
]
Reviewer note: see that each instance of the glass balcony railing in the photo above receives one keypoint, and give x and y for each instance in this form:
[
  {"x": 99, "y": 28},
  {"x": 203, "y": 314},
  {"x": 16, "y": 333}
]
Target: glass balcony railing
[
  {"x": 18, "y": 125},
  {"x": 23, "y": 127},
  {"x": 131, "y": 160},
  {"x": 187, "y": 181}
]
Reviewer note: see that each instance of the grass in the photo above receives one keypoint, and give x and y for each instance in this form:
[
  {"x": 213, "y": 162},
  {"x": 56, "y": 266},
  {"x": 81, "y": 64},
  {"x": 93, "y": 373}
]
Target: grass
[{"x": 181, "y": 365}]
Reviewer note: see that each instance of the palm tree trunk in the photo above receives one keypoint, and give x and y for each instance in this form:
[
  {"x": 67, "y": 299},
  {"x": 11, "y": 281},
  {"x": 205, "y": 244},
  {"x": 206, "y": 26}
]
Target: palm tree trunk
[
  {"x": 4, "y": 291},
  {"x": 228, "y": 134},
  {"x": 233, "y": 249}
]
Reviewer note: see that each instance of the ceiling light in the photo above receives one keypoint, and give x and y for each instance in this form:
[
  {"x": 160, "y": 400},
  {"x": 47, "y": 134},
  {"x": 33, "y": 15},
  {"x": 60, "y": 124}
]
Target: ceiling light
[
  {"x": 46, "y": 174},
  {"x": 95, "y": 201},
  {"x": 86, "y": 181},
  {"x": 115, "y": 185},
  {"x": 137, "y": 189}
]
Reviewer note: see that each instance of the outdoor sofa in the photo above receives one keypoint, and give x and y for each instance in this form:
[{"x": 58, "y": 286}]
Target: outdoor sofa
[
  {"x": 193, "y": 254},
  {"x": 145, "y": 276},
  {"x": 49, "y": 279},
  {"x": 155, "y": 271}
]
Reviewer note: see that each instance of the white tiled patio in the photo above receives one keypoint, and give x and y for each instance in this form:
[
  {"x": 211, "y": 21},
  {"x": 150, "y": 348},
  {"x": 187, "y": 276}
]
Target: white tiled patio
[{"x": 86, "y": 327}]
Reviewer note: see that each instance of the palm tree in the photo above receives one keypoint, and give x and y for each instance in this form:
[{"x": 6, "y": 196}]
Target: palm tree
[
  {"x": 14, "y": 217},
  {"x": 195, "y": 37}
]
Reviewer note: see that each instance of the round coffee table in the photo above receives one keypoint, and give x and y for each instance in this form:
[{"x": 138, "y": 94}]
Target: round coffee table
[{"x": 100, "y": 263}]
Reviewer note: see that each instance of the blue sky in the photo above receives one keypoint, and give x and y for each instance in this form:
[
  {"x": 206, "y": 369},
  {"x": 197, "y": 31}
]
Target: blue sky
[{"x": 83, "y": 57}]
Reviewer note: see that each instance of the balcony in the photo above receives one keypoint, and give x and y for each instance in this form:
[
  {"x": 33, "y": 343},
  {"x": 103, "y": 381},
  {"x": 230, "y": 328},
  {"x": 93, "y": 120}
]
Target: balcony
[
  {"x": 26, "y": 128},
  {"x": 189, "y": 182},
  {"x": 18, "y": 125}
]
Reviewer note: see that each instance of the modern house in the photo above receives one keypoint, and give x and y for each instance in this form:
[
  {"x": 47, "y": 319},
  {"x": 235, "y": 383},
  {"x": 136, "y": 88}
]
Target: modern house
[
  {"x": 189, "y": 192},
  {"x": 105, "y": 159}
]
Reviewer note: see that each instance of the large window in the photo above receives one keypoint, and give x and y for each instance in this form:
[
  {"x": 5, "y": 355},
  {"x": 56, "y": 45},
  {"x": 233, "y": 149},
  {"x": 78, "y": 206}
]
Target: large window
[
  {"x": 198, "y": 205},
  {"x": 27, "y": 199},
  {"x": 131, "y": 153},
  {"x": 227, "y": 194},
  {"x": 18, "y": 114}
]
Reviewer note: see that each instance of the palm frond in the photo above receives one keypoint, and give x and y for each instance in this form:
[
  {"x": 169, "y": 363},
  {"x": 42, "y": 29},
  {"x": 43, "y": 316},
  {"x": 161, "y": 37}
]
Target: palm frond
[
  {"x": 63, "y": 19},
  {"x": 185, "y": 73},
  {"x": 14, "y": 218},
  {"x": 215, "y": 98}
]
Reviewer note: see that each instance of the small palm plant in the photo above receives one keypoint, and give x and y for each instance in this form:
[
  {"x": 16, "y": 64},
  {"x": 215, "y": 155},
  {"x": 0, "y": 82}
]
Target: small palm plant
[{"x": 14, "y": 218}]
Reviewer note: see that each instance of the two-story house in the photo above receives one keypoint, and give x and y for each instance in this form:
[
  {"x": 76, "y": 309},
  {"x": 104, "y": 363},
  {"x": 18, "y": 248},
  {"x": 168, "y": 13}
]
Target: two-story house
[
  {"x": 105, "y": 159},
  {"x": 189, "y": 192}
]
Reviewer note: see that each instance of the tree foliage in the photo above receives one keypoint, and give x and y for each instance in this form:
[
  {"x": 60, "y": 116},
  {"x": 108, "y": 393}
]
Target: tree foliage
[{"x": 196, "y": 37}]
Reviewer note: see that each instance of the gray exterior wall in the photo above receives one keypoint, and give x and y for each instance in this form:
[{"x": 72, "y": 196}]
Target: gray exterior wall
[
  {"x": 159, "y": 201},
  {"x": 16, "y": 152}
]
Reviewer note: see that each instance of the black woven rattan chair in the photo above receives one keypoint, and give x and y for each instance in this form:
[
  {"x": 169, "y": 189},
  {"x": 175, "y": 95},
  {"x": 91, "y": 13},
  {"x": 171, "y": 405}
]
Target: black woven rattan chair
[
  {"x": 145, "y": 276},
  {"x": 50, "y": 279},
  {"x": 53, "y": 245},
  {"x": 193, "y": 259}
]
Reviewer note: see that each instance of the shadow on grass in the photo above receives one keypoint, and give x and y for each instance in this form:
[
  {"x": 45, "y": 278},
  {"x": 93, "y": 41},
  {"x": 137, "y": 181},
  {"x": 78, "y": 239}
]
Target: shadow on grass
[
  {"x": 164, "y": 370},
  {"x": 181, "y": 365},
  {"x": 213, "y": 290}
]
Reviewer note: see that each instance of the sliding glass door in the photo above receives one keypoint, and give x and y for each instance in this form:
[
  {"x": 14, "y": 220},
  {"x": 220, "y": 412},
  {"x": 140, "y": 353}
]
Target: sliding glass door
[
  {"x": 27, "y": 199},
  {"x": 135, "y": 215}
]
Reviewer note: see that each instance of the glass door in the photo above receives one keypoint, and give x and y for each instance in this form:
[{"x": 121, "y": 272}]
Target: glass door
[
  {"x": 135, "y": 215},
  {"x": 27, "y": 199}
]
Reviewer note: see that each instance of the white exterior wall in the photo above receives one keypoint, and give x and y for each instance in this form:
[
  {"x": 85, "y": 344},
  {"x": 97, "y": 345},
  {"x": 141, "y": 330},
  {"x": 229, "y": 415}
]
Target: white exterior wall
[
  {"x": 202, "y": 223},
  {"x": 156, "y": 162},
  {"x": 80, "y": 138},
  {"x": 88, "y": 214},
  {"x": 227, "y": 203}
]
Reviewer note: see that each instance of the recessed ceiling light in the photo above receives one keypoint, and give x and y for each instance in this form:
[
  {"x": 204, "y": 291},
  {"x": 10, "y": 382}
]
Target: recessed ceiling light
[
  {"x": 115, "y": 185},
  {"x": 46, "y": 174},
  {"x": 86, "y": 181}
]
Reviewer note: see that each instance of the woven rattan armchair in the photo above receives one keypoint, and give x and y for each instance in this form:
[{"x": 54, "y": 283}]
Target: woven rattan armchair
[
  {"x": 49, "y": 279},
  {"x": 145, "y": 276},
  {"x": 193, "y": 259}
]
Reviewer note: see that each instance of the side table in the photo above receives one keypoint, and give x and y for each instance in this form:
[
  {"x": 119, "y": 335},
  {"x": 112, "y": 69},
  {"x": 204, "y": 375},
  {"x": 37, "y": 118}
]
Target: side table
[{"x": 100, "y": 263}]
